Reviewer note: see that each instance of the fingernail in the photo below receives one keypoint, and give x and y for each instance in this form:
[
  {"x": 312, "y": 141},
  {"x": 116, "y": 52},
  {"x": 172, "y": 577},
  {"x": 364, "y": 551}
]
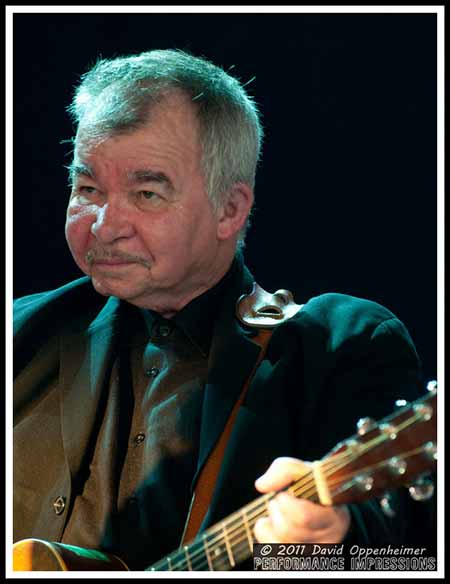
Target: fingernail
[{"x": 260, "y": 481}]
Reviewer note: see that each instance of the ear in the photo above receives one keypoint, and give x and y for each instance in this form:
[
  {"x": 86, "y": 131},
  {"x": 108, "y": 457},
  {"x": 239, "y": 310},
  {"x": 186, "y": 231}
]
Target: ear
[{"x": 234, "y": 212}]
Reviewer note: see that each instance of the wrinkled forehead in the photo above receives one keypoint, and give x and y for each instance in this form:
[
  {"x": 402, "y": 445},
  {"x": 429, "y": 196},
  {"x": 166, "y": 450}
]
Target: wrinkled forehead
[
  {"x": 172, "y": 120},
  {"x": 167, "y": 139},
  {"x": 112, "y": 113}
]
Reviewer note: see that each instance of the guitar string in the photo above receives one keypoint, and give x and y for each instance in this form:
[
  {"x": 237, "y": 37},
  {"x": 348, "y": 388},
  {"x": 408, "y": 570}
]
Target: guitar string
[
  {"x": 329, "y": 465},
  {"x": 177, "y": 565},
  {"x": 342, "y": 485},
  {"x": 252, "y": 519},
  {"x": 180, "y": 561},
  {"x": 334, "y": 463},
  {"x": 297, "y": 489},
  {"x": 300, "y": 488},
  {"x": 342, "y": 481},
  {"x": 217, "y": 532},
  {"x": 236, "y": 544}
]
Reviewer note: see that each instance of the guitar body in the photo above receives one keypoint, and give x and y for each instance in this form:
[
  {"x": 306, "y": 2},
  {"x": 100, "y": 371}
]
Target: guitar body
[{"x": 31, "y": 555}]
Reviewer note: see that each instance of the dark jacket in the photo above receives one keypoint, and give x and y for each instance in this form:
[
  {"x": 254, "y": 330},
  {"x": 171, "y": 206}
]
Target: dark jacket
[{"x": 339, "y": 359}]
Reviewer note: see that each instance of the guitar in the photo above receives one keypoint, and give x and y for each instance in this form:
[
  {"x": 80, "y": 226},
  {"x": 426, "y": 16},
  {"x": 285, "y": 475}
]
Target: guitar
[{"x": 379, "y": 457}]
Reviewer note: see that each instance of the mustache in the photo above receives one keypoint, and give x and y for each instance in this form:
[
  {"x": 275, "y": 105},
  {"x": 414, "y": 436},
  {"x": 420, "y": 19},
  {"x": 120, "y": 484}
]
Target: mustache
[{"x": 98, "y": 255}]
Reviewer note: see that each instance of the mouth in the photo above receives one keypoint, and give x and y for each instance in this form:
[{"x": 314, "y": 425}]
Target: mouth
[
  {"x": 104, "y": 261},
  {"x": 113, "y": 262},
  {"x": 112, "y": 265}
]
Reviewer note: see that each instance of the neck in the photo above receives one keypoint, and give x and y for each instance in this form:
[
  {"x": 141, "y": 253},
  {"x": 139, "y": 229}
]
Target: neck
[
  {"x": 168, "y": 305},
  {"x": 171, "y": 310}
]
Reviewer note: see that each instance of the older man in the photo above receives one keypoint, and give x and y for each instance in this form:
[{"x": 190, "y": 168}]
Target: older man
[{"x": 119, "y": 402}]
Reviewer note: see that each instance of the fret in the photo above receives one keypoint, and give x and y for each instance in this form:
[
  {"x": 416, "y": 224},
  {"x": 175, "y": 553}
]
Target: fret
[
  {"x": 247, "y": 530},
  {"x": 205, "y": 545},
  {"x": 238, "y": 540},
  {"x": 188, "y": 559},
  {"x": 216, "y": 555},
  {"x": 320, "y": 483},
  {"x": 227, "y": 544}
]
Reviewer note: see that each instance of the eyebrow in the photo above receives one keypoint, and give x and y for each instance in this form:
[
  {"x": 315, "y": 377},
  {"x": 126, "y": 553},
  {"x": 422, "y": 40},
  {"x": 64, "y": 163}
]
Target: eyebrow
[
  {"x": 147, "y": 175},
  {"x": 134, "y": 177},
  {"x": 80, "y": 169}
]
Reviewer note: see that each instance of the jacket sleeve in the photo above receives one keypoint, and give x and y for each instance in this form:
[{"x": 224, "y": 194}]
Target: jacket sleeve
[
  {"x": 358, "y": 360},
  {"x": 412, "y": 523}
]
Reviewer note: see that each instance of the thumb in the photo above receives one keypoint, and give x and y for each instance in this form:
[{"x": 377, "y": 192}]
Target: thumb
[{"x": 280, "y": 473}]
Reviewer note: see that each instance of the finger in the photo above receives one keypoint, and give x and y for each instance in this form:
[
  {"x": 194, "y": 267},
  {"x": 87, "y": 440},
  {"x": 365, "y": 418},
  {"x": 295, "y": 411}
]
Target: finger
[
  {"x": 280, "y": 473},
  {"x": 263, "y": 531},
  {"x": 284, "y": 529},
  {"x": 301, "y": 520},
  {"x": 303, "y": 513}
]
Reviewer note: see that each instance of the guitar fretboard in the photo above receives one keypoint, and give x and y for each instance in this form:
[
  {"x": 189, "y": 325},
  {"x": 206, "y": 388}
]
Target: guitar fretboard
[{"x": 226, "y": 544}]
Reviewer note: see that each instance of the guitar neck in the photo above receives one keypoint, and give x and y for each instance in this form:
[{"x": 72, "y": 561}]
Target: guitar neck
[
  {"x": 378, "y": 458},
  {"x": 227, "y": 543}
]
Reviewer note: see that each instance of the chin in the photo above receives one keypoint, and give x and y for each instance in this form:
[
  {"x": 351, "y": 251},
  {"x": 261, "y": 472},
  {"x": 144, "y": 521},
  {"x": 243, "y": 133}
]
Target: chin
[
  {"x": 111, "y": 288},
  {"x": 119, "y": 289}
]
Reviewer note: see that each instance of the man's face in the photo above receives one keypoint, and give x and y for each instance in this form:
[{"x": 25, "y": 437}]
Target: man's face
[{"x": 139, "y": 219}]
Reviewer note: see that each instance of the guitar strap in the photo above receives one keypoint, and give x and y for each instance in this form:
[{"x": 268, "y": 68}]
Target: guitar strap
[{"x": 263, "y": 311}]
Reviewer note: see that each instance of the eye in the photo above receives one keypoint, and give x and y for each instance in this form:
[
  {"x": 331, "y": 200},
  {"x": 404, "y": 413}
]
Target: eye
[
  {"x": 84, "y": 194},
  {"x": 150, "y": 200},
  {"x": 148, "y": 194},
  {"x": 86, "y": 189}
]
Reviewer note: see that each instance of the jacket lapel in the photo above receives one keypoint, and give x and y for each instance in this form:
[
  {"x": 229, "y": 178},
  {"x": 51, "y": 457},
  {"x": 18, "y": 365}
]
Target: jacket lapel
[
  {"x": 232, "y": 358},
  {"x": 86, "y": 361}
]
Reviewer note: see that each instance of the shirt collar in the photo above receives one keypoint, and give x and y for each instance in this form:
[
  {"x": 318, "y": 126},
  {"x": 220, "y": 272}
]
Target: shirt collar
[{"x": 197, "y": 318}]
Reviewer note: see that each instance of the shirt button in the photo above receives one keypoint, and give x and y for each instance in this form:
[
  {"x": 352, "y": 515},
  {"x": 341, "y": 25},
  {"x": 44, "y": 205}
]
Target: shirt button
[
  {"x": 139, "y": 438},
  {"x": 152, "y": 372},
  {"x": 59, "y": 504},
  {"x": 164, "y": 330}
]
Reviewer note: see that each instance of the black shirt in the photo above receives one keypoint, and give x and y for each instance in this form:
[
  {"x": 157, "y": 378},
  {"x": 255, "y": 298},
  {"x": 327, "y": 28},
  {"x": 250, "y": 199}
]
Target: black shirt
[{"x": 135, "y": 499}]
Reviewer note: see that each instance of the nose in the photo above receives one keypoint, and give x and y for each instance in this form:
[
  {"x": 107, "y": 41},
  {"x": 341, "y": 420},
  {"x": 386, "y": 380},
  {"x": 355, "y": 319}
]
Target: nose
[{"x": 112, "y": 222}]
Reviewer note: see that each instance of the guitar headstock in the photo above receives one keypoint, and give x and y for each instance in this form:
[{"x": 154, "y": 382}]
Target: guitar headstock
[{"x": 384, "y": 455}]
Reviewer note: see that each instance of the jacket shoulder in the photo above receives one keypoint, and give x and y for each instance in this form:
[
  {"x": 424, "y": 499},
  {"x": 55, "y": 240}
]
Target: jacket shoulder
[
  {"x": 333, "y": 310},
  {"x": 338, "y": 321},
  {"x": 38, "y": 298},
  {"x": 56, "y": 307}
]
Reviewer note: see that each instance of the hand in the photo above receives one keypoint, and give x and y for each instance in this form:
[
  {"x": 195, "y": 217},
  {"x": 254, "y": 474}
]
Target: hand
[{"x": 293, "y": 520}]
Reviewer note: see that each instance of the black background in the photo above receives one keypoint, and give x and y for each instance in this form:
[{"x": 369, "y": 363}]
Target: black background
[{"x": 346, "y": 194}]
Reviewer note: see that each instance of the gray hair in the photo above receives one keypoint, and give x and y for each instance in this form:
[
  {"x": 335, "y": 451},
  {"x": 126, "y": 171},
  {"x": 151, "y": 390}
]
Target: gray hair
[{"x": 115, "y": 97}]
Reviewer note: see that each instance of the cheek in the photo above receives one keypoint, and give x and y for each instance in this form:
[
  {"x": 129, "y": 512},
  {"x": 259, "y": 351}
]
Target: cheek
[{"x": 78, "y": 234}]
